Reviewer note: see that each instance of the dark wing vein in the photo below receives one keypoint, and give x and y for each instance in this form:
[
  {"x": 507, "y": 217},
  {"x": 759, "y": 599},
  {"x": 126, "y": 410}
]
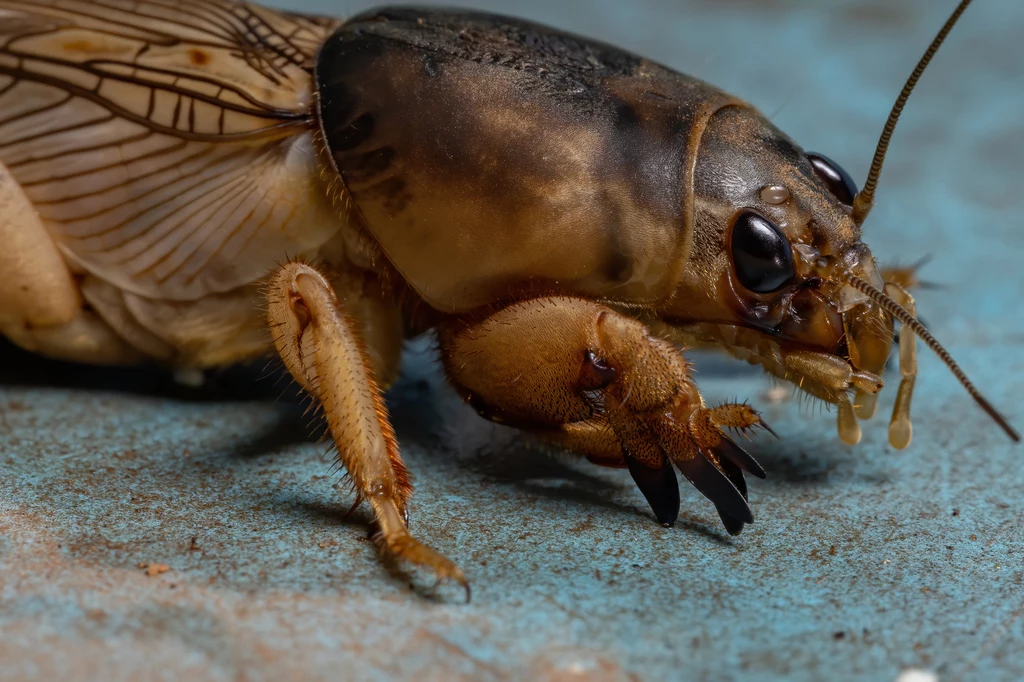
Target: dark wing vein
[{"x": 165, "y": 143}]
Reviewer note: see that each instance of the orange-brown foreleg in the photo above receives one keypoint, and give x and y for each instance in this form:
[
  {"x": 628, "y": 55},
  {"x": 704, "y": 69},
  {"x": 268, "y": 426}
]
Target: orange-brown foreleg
[
  {"x": 594, "y": 440},
  {"x": 606, "y": 387},
  {"x": 323, "y": 351}
]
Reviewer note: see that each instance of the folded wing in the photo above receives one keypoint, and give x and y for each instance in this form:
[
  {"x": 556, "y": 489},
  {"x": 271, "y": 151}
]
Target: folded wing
[{"x": 166, "y": 143}]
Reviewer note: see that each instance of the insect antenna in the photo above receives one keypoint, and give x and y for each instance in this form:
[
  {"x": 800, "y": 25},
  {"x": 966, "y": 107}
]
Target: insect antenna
[
  {"x": 865, "y": 199},
  {"x": 910, "y": 322}
]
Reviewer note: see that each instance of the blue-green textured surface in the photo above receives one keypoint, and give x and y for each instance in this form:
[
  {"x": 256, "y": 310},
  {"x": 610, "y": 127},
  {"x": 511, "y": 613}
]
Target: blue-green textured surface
[{"x": 863, "y": 561}]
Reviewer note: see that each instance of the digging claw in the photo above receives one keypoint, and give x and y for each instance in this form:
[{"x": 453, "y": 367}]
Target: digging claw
[
  {"x": 732, "y": 524},
  {"x": 728, "y": 451},
  {"x": 660, "y": 487},
  {"x": 714, "y": 463},
  {"x": 721, "y": 489}
]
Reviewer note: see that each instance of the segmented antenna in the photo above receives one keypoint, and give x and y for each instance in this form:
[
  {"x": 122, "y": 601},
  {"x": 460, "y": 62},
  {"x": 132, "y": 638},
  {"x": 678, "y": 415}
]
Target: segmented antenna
[
  {"x": 865, "y": 199},
  {"x": 910, "y": 322}
]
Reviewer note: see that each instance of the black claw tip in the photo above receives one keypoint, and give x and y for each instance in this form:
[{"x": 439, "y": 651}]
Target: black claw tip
[
  {"x": 735, "y": 476},
  {"x": 728, "y": 451},
  {"x": 732, "y": 526},
  {"x": 715, "y": 485},
  {"x": 660, "y": 488}
]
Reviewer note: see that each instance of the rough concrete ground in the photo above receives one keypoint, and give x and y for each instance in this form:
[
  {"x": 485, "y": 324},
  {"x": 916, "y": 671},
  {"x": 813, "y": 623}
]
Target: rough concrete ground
[{"x": 863, "y": 561}]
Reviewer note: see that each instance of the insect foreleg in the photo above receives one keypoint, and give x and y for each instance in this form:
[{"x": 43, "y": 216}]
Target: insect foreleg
[
  {"x": 322, "y": 349},
  {"x": 597, "y": 381},
  {"x": 594, "y": 439}
]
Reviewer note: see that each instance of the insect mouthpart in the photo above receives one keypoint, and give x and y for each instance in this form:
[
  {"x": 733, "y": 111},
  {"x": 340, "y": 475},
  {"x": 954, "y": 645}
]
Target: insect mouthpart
[
  {"x": 900, "y": 429},
  {"x": 892, "y": 297}
]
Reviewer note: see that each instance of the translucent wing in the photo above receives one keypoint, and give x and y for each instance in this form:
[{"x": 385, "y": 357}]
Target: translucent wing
[{"x": 166, "y": 143}]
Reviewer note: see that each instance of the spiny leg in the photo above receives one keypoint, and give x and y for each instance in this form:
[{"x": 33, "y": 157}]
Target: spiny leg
[
  {"x": 579, "y": 369},
  {"x": 320, "y": 346}
]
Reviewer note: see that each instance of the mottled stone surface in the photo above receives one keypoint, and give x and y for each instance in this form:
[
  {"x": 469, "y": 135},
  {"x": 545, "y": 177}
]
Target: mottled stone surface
[{"x": 863, "y": 561}]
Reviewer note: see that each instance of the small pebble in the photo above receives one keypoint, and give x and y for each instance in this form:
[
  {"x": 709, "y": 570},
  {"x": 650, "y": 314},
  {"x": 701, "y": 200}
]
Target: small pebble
[{"x": 916, "y": 675}]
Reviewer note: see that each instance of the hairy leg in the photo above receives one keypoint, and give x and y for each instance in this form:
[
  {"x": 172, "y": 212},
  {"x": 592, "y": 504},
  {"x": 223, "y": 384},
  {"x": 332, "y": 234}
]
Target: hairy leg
[
  {"x": 319, "y": 344},
  {"x": 597, "y": 381}
]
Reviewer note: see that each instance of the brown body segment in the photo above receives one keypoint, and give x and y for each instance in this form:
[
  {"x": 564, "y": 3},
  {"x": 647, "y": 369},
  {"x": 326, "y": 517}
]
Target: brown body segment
[{"x": 492, "y": 158}]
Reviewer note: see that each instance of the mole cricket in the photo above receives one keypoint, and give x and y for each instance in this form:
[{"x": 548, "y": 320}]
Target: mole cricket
[{"x": 199, "y": 182}]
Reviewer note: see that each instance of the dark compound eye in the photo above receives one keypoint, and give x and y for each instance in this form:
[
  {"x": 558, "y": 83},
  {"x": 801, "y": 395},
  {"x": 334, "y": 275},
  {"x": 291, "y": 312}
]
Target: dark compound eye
[
  {"x": 835, "y": 178},
  {"x": 761, "y": 256}
]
